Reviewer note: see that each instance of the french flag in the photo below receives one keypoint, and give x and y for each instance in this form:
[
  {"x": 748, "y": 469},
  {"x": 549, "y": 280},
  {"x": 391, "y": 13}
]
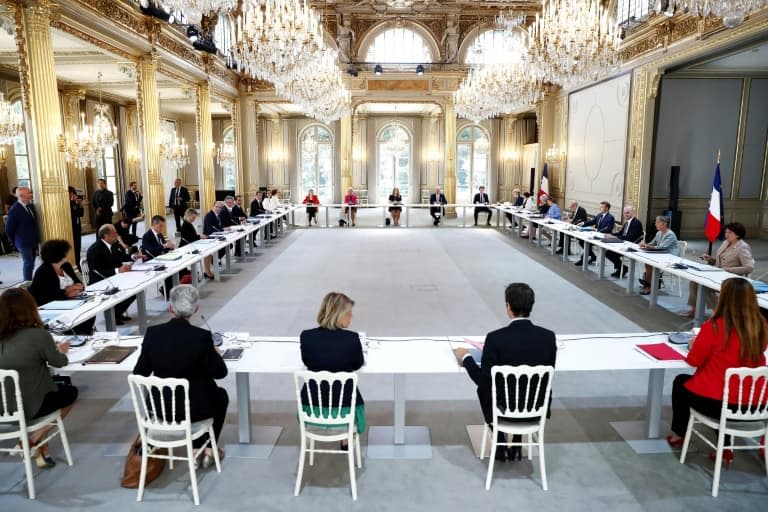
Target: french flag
[
  {"x": 544, "y": 190},
  {"x": 713, "y": 224}
]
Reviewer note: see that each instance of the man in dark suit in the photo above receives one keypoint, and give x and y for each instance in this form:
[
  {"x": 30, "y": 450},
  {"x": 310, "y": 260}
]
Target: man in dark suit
[
  {"x": 178, "y": 202},
  {"x": 257, "y": 208},
  {"x": 482, "y": 198},
  {"x": 102, "y": 202},
  {"x": 132, "y": 205},
  {"x": 23, "y": 230},
  {"x": 76, "y": 212},
  {"x": 180, "y": 350},
  {"x": 578, "y": 216},
  {"x": 237, "y": 209},
  {"x": 214, "y": 219},
  {"x": 631, "y": 231},
  {"x": 519, "y": 343},
  {"x": 436, "y": 212},
  {"x": 154, "y": 243},
  {"x": 105, "y": 259},
  {"x": 603, "y": 223},
  {"x": 517, "y": 201}
]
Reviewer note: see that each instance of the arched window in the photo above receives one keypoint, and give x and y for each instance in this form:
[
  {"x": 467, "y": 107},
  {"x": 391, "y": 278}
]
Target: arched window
[
  {"x": 398, "y": 45},
  {"x": 394, "y": 161},
  {"x": 20, "y": 153},
  {"x": 228, "y": 166},
  {"x": 496, "y": 46},
  {"x": 107, "y": 166},
  {"x": 316, "y": 146},
  {"x": 472, "y": 161}
]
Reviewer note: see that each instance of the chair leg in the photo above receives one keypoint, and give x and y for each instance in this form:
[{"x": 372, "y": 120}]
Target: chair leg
[
  {"x": 357, "y": 449},
  {"x": 311, "y": 452},
  {"x": 214, "y": 449},
  {"x": 64, "y": 440},
  {"x": 542, "y": 465},
  {"x": 486, "y": 433},
  {"x": 351, "y": 459},
  {"x": 530, "y": 447},
  {"x": 302, "y": 458},
  {"x": 718, "y": 462},
  {"x": 143, "y": 473},
  {"x": 170, "y": 459},
  {"x": 687, "y": 440},
  {"x": 192, "y": 471},
  {"x": 491, "y": 459},
  {"x": 26, "y": 454}
]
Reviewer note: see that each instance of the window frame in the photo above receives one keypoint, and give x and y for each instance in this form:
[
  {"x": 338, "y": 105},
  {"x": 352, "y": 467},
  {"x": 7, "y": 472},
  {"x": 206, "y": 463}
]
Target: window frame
[
  {"x": 405, "y": 190},
  {"x": 22, "y": 137},
  {"x": 314, "y": 128},
  {"x": 395, "y": 37},
  {"x": 473, "y": 182}
]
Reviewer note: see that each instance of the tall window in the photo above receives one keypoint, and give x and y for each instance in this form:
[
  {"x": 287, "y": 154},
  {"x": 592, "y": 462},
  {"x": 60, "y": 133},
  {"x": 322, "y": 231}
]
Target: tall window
[
  {"x": 472, "y": 148},
  {"x": 108, "y": 170},
  {"x": 394, "y": 169},
  {"x": 398, "y": 45},
  {"x": 20, "y": 153},
  {"x": 222, "y": 37},
  {"x": 316, "y": 146},
  {"x": 228, "y": 167}
]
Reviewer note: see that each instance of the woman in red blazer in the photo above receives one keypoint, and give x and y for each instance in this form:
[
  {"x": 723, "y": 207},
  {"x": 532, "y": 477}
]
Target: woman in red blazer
[
  {"x": 311, "y": 199},
  {"x": 736, "y": 336}
]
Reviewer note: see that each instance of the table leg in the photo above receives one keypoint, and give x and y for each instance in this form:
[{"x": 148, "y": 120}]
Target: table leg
[
  {"x": 175, "y": 279},
  {"x": 463, "y": 216},
  {"x": 601, "y": 264},
  {"x": 141, "y": 306},
  {"x": 499, "y": 220},
  {"x": 399, "y": 404},
  {"x": 553, "y": 241},
  {"x": 654, "y": 287},
  {"x": 229, "y": 259},
  {"x": 631, "y": 277},
  {"x": 701, "y": 307},
  {"x": 539, "y": 234},
  {"x": 193, "y": 271},
  {"x": 585, "y": 256},
  {"x": 243, "y": 384},
  {"x": 109, "y": 319},
  {"x": 216, "y": 265},
  {"x": 407, "y": 212},
  {"x": 566, "y": 246},
  {"x": 654, "y": 400},
  {"x": 326, "y": 218}
]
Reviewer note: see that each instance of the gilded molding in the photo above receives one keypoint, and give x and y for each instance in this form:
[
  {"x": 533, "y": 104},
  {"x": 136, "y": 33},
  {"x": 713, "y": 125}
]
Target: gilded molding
[
  {"x": 64, "y": 27},
  {"x": 21, "y": 47},
  {"x": 638, "y": 117},
  {"x": 178, "y": 49}
]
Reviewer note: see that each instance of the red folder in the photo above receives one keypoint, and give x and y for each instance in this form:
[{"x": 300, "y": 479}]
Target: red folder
[{"x": 662, "y": 352}]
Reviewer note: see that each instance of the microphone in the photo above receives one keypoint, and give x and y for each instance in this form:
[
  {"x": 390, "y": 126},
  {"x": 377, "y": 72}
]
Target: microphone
[
  {"x": 109, "y": 291},
  {"x": 196, "y": 251},
  {"x": 218, "y": 339}
]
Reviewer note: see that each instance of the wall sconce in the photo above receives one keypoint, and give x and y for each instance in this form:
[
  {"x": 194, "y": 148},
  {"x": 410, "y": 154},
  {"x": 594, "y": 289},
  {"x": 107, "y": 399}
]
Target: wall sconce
[
  {"x": 358, "y": 155},
  {"x": 510, "y": 155},
  {"x": 275, "y": 155},
  {"x": 432, "y": 155},
  {"x": 554, "y": 155},
  {"x": 133, "y": 159}
]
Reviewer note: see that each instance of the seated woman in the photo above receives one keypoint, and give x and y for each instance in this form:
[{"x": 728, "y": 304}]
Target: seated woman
[
  {"x": 25, "y": 346},
  {"x": 395, "y": 199},
  {"x": 734, "y": 256},
  {"x": 736, "y": 336},
  {"x": 55, "y": 279},
  {"x": 349, "y": 200},
  {"x": 665, "y": 240},
  {"x": 180, "y": 350},
  {"x": 124, "y": 236},
  {"x": 310, "y": 200},
  {"x": 332, "y": 348}
]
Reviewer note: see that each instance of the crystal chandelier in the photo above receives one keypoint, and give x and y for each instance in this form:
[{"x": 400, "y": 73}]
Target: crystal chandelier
[
  {"x": 225, "y": 153},
  {"x": 11, "y": 123},
  {"x": 573, "y": 41},
  {"x": 397, "y": 143},
  {"x": 508, "y": 21},
  {"x": 175, "y": 151},
  {"x": 309, "y": 144},
  {"x": 482, "y": 145},
  {"x": 194, "y": 10},
  {"x": 85, "y": 146},
  {"x": 732, "y": 12}
]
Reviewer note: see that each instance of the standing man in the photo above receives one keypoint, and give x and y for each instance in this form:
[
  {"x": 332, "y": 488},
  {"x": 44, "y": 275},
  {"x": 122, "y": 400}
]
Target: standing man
[
  {"x": 23, "y": 229},
  {"x": 631, "y": 231},
  {"x": 603, "y": 223},
  {"x": 76, "y": 210},
  {"x": 438, "y": 198},
  {"x": 482, "y": 198},
  {"x": 178, "y": 202},
  {"x": 102, "y": 202},
  {"x": 132, "y": 205},
  {"x": 519, "y": 343}
]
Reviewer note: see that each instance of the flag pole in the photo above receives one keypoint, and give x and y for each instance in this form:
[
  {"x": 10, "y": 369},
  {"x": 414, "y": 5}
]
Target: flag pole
[{"x": 709, "y": 247}]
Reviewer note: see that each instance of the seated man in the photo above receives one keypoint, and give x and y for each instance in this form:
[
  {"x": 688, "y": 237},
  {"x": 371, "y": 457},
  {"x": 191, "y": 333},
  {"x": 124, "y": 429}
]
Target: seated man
[
  {"x": 603, "y": 223},
  {"x": 180, "y": 350},
  {"x": 577, "y": 217},
  {"x": 553, "y": 212},
  {"x": 631, "y": 231},
  {"x": 154, "y": 243},
  {"x": 482, "y": 198},
  {"x": 519, "y": 343},
  {"x": 517, "y": 201},
  {"x": 106, "y": 258},
  {"x": 231, "y": 217},
  {"x": 438, "y": 198},
  {"x": 258, "y": 208}
]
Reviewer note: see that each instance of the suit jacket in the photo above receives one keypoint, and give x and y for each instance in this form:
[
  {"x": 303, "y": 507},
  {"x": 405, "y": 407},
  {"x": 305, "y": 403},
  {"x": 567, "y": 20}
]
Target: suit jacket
[
  {"x": 580, "y": 215},
  {"x": 21, "y": 226},
  {"x": 150, "y": 245},
  {"x": 76, "y": 211},
  {"x": 481, "y": 199},
  {"x": 226, "y": 218},
  {"x": 257, "y": 208},
  {"x": 45, "y": 285},
  {"x": 736, "y": 259},
  {"x": 132, "y": 203},
  {"x": 180, "y": 350},
  {"x": 238, "y": 213},
  {"x": 333, "y": 351},
  {"x": 603, "y": 222},
  {"x": 435, "y": 200},
  {"x": 634, "y": 231},
  {"x": 519, "y": 343},
  {"x": 183, "y": 195},
  {"x": 212, "y": 224},
  {"x": 188, "y": 234},
  {"x": 102, "y": 260},
  {"x": 125, "y": 234},
  {"x": 520, "y": 200},
  {"x": 103, "y": 199}
]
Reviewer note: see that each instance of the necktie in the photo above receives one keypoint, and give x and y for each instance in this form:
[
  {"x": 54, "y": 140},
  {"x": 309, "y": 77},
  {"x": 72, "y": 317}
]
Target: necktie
[
  {"x": 29, "y": 211},
  {"x": 160, "y": 239},
  {"x": 178, "y": 199},
  {"x": 626, "y": 227}
]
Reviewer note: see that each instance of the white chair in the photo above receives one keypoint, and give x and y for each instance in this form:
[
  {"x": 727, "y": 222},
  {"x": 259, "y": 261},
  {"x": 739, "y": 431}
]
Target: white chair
[
  {"x": 325, "y": 415},
  {"x": 85, "y": 271},
  {"x": 151, "y": 396},
  {"x": 682, "y": 248},
  {"x": 526, "y": 391},
  {"x": 747, "y": 421},
  {"x": 13, "y": 425}
]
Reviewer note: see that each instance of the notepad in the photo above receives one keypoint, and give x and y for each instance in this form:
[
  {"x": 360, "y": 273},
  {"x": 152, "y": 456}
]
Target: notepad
[
  {"x": 171, "y": 256},
  {"x": 110, "y": 355},
  {"x": 661, "y": 352},
  {"x": 63, "y": 305}
]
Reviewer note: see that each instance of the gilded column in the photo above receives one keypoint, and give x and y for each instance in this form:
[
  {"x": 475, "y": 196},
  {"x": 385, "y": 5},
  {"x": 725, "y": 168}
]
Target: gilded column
[
  {"x": 48, "y": 170},
  {"x": 205, "y": 146},
  {"x": 130, "y": 146},
  {"x": 449, "y": 182},
  {"x": 345, "y": 153},
  {"x": 237, "y": 131},
  {"x": 645, "y": 86},
  {"x": 148, "y": 107},
  {"x": 248, "y": 145}
]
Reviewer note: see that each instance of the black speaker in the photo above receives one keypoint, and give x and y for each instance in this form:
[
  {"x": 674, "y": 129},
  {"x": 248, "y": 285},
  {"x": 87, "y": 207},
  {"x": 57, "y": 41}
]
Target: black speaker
[
  {"x": 676, "y": 218},
  {"x": 674, "y": 187},
  {"x": 532, "y": 181}
]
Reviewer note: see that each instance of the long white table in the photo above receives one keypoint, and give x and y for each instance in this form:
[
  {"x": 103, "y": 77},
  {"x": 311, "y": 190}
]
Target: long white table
[
  {"x": 403, "y": 356},
  {"x": 405, "y": 207}
]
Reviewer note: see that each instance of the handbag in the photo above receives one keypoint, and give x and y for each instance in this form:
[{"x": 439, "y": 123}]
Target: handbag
[{"x": 132, "y": 469}]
